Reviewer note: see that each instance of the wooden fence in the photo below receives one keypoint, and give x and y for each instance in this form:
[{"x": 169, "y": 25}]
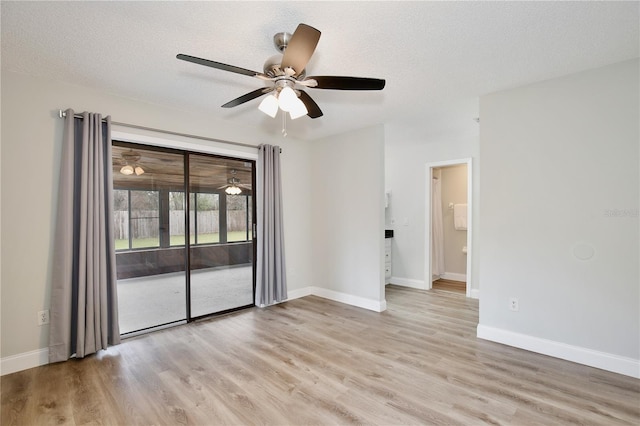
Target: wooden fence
[{"x": 145, "y": 224}]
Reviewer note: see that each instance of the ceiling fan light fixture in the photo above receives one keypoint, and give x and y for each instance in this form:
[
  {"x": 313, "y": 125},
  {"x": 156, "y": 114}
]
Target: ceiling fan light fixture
[
  {"x": 127, "y": 170},
  {"x": 233, "y": 190},
  {"x": 269, "y": 106},
  {"x": 131, "y": 165}
]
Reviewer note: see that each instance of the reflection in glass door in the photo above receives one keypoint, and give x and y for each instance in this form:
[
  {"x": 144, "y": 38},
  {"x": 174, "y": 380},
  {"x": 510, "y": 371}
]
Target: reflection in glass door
[
  {"x": 221, "y": 249},
  {"x": 173, "y": 266},
  {"x": 150, "y": 260}
]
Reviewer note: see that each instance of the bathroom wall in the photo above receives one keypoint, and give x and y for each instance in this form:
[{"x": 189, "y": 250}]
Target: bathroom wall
[{"x": 454, "y": 190}]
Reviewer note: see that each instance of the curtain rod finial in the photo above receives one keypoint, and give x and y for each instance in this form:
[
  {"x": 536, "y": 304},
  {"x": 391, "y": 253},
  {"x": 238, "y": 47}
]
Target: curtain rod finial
[{"x": 61, "y": 113}]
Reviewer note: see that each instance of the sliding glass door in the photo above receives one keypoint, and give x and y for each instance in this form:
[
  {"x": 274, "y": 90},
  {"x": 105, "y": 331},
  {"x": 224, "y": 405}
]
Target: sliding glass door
[
  {"x": 184, "y": 235},
  {"x": 221, "y": 252},
  {"x": 150, "y": 270}
]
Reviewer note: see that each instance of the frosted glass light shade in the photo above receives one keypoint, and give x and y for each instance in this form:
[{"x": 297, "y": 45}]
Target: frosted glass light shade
[
  {"x": 127, "y": 170},
  {"x": 287, "y": 99},
  {"x": 269, "y": 106},
  {"x": 139, "y": 170},
  {"x": 298, "y": 110},
  {"x": 233, "y": 190}
]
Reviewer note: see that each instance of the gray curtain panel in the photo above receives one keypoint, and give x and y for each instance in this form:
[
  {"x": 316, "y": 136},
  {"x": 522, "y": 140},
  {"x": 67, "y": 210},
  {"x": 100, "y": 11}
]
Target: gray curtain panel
[
  {"x": 271, "y": 281},
  {"x": 84, "y": 315}
]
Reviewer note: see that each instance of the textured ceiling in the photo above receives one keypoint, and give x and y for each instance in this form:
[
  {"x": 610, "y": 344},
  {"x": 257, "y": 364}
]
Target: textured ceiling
[{"x": 430, "y": 53}]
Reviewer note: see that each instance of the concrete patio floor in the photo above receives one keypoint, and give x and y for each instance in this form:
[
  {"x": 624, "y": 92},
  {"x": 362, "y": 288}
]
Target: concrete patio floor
[{"x": 159, "y": 299}]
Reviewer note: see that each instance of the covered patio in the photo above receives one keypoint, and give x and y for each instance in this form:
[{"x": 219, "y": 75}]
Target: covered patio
[{"x": 154, "y": 300}]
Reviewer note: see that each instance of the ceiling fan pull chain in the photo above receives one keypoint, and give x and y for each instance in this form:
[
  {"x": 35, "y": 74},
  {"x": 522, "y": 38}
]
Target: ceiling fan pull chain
[{"x": 284, "y": 124}]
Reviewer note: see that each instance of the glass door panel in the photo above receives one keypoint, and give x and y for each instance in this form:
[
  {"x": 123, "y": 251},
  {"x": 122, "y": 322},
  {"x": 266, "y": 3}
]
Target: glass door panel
[
  {"x": 221, "y": 251},
  {"x": 149, "y": 227},
  {"x": 183, "y": 235}
]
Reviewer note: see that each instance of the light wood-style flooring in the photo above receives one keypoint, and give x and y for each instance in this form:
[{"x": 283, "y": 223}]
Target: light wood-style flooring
[
  {"x": 450, "y": 285},
  {"x": 314, "y": 361}
]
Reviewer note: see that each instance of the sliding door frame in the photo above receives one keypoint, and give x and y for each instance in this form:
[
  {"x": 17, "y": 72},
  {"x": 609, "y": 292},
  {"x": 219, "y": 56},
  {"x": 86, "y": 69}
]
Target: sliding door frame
[
  {"x": 186, "y": 149},
  {"x": 253, "y": 239}
]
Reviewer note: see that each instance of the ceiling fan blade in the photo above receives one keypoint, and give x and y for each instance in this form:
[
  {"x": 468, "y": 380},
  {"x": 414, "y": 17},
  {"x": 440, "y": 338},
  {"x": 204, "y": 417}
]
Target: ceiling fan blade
[
  {"x": 247, "y": 97},
  {"x": 313, "y": 110},
  {"x": 300, "y": 48},
  {"x": 347, "y": 83},
  {"x": 223, "y": 186},
  {"x": 218, "y": 65}
]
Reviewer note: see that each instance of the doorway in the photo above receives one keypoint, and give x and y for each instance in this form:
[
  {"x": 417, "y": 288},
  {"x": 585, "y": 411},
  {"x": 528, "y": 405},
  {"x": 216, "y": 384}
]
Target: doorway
[
  {"x": 448, "y": 230},
  {"x": 184, "y": 235}
]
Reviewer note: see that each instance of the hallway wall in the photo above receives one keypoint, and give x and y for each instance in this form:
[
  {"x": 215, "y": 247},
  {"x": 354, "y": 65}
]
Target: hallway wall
[{"x": 448, "y": 134}]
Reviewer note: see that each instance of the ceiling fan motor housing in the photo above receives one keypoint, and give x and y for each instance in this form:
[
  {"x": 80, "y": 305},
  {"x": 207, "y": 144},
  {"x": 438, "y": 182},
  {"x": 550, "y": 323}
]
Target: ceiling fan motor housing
[
  {"x": 272, "y": 68},
  {"x": 131, "y": 156}
]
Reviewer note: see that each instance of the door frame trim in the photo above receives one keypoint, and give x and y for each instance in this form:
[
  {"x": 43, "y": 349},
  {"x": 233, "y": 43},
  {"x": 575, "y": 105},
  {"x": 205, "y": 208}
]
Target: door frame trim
[
  {"x": 427, "y": 228},
  {"x": 193, "y": 146}
]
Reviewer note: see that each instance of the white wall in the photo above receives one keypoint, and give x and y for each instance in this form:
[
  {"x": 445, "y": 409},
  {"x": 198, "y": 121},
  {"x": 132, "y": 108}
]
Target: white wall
[
  {"x": 348, "y": 216},
  {"x": 31, "y": 140},
  {"x": 560, "y": 177},
  {"x": 450, "y": 134}
]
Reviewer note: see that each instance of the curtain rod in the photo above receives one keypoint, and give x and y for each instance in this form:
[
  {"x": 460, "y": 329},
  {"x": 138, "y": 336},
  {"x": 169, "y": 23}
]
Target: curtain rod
[{"x": 63, "y": 114}]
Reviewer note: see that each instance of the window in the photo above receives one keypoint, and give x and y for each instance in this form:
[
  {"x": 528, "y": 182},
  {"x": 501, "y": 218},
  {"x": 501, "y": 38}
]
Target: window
[
  {"x": 239, "y": 218},
  {"x": 136, "y": 219},
  {"x": 207, "y": 218},
  {"x": 121, "y": 218},
  {"x": 144, "y": 221},
  {"x": 176, "y": 218}
]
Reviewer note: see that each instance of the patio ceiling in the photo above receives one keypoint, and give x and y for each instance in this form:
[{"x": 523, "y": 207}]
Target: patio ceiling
[{"x": 165, "y": 170}]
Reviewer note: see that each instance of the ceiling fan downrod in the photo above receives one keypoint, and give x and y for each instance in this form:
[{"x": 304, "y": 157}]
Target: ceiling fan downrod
[{"x": 281, "y": 41}]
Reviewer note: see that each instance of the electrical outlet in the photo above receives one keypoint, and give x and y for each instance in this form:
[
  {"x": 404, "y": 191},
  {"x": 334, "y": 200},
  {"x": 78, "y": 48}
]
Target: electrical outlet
[
  {"x": 43, "y": 317},
  {"x": 513, "y": 304}
]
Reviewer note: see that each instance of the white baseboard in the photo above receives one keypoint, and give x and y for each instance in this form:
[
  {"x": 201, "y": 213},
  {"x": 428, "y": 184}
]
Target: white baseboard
[
  {"x": 299, "y": 292},
  {"x": 475, "y": 293},
  {"x": 408, "y": 282},
  {"x": 24, "y": 361},
  {"x": 453, "y": 276},
  {"x": 349, "y": 299},
  {"x": 603, "y": 360}
]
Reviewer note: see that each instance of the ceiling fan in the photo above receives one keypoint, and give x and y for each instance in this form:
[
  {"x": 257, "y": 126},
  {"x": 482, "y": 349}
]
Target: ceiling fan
[
  {"x": 233, "y": 186},
  {"x": 130, "y": 163},
  {"x": 287, "y": 75}
]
